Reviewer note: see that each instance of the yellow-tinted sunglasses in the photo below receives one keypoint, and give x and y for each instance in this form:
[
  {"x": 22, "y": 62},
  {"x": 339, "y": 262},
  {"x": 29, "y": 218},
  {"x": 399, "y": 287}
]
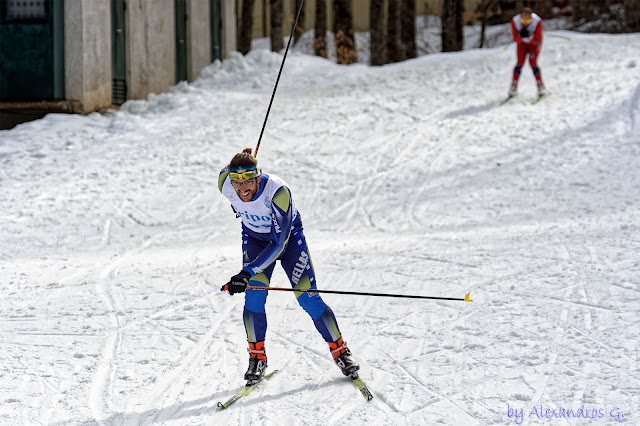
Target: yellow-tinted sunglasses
[
  {"x": 249, "y": 174},
  {"x": 525, "y": 22}
]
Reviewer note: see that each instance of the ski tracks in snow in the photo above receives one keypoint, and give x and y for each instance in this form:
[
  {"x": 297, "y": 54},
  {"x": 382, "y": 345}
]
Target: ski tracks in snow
[
  {"x": 160, "y": 395},
  {"x": 101, "y": 385}
]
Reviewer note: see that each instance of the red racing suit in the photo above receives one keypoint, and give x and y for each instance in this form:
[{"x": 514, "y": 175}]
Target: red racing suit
[{"x": 529, "y": 45}]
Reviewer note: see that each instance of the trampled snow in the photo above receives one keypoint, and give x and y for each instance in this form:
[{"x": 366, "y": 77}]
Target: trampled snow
[{"x": 410, "y": 179}]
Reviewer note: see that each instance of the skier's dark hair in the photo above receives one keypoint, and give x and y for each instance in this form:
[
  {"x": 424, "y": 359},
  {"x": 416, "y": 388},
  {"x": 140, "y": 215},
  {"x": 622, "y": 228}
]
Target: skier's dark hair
[
  {"x": 527, "y": 10},
  {"x": 244, "y": 158}
]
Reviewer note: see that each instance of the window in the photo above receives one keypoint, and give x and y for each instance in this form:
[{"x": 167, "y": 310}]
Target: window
[{"x": 26, "y": 10}]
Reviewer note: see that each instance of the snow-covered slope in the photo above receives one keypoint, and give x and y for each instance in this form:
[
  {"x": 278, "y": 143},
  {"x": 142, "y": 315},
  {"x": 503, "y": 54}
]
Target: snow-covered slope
[{"x": 410, "y": 179}]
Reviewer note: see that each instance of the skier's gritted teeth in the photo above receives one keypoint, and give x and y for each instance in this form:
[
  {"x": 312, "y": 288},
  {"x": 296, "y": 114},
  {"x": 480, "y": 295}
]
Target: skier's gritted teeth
[{"x": 246, "y": 189}]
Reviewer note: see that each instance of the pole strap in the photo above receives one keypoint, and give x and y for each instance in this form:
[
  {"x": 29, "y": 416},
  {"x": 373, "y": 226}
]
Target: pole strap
[
  {"x": 293, "y": 28},
  {"x": 467, "y": 297}
]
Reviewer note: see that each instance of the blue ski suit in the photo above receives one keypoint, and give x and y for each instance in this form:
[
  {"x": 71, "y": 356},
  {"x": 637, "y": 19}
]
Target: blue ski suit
[{"x": 272, "y": 231}]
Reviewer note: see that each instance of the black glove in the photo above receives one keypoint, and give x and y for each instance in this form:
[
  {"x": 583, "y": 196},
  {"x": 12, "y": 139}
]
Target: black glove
[
  {"x": 237, "y": 283},
  {"x": 524, "y": 32}
]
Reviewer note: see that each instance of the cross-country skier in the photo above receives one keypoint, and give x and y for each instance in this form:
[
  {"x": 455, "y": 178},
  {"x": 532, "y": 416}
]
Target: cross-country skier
[
  {"x": 271, "y": 231},
  {"x": 526, "y": 29}
]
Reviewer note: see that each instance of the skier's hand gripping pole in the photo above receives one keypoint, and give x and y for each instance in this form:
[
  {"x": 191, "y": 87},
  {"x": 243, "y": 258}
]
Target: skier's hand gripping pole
[{"x": 237, "y": 283}]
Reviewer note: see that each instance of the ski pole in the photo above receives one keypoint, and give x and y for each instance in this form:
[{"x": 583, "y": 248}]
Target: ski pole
[
  {"x": 559, "y": 36},
  {"x": 295, "y": 24},
  {"x": 467, "y": 297}
]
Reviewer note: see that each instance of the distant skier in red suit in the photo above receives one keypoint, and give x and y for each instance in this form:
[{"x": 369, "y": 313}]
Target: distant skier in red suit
[{"x": 526, "y": 29}]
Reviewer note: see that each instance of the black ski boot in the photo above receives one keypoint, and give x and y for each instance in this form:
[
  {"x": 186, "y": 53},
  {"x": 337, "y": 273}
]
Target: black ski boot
[
  {"x": 343, "y": 358},
  {"x": 257, "y": 363}
]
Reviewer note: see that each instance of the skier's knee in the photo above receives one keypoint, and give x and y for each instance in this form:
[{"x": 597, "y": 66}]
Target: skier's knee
[
  {"x": 313, "y": 305},
  {"x": 254, "y": 300}
]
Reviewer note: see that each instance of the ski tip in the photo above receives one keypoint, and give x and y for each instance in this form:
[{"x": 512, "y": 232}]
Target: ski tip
[{"x": 467, "y": 297}]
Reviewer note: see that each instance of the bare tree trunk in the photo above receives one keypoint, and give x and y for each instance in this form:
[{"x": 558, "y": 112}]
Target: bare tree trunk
[
  {"x": 632, "y": 13},
  {"x": 408, "y": 29},
  {"x": 300, "y": 27},
  {"x": 238, "y": 22},
  {"x": 452, "y": 37},
  {"x": 376, "y": 25},
  {"x": 483, "y": 9},
  {"x": 265, "y": 22},
  {"x": 320, "y": 40},
  {"x": 343, "y": 25},
  {"x": 246, "y": 28},
  {"x": 394, "y": 48},
  {"x": 276, "y": 25}
]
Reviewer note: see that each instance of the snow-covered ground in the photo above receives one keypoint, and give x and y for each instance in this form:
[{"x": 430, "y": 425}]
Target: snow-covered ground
[{"x": 410, "y": 179}]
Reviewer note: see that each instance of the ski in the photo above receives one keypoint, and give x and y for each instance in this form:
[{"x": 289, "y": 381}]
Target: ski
[
  {"x": 539, "y": 98},
  {"x": 507, "y": 99},
  {"x": 362, "y": 387},
  {"x": 244, "y": 391}
]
